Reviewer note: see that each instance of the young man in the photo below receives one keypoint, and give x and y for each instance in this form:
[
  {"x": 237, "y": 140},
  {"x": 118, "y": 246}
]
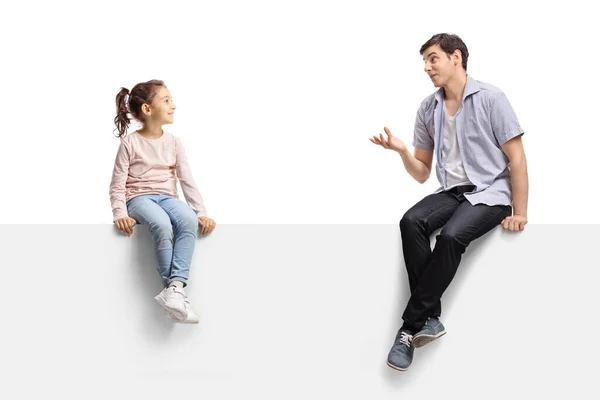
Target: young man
[{"x": 473, "y": 132}]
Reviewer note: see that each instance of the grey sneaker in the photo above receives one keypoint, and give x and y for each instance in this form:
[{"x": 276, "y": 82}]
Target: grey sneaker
[
  {"x": 172, "y": 299},
  {"x": 401, "y": 354},
  {"x": 432, "y": 330}
]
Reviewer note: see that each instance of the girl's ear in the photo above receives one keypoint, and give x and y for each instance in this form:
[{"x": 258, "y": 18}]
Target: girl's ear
[{"x": 146, "y": 109}]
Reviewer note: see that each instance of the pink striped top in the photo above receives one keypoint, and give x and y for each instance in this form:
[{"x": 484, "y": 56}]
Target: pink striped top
[{"x": 152, "y": 166}]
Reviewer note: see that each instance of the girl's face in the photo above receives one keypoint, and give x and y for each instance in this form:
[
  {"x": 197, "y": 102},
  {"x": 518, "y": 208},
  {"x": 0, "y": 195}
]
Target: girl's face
[{"x": 162, "y": 108}]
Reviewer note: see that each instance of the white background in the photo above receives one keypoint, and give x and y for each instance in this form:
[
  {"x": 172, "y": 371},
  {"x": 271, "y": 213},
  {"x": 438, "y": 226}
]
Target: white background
[{"x": 276, "y": 101}]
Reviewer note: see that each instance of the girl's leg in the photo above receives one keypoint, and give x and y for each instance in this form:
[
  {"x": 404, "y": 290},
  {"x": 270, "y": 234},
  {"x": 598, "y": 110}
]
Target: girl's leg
[
  {"x": 185, "y": 223},
  {"x": 146, "y": 211}
]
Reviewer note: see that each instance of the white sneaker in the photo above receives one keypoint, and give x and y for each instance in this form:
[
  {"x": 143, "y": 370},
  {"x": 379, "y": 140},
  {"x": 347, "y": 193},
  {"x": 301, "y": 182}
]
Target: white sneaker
[
  {"x": 192, "y": 318},
  {"x": 172, "y": 299}
]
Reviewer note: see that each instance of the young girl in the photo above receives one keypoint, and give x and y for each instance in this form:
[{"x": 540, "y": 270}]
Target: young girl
[{"x": 143, "y": 190}]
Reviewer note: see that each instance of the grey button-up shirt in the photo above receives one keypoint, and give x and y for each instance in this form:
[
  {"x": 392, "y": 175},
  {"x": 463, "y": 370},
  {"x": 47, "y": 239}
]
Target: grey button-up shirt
[{"x": 484, "y": 122}]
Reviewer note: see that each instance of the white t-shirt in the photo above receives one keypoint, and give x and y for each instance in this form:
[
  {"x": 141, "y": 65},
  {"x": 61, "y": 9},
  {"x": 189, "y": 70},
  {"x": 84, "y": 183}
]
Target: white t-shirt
[{"x": 453, "y": 164}]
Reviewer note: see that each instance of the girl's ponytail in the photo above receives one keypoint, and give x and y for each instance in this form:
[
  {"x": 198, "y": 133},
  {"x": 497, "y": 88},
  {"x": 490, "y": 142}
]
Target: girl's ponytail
[{"x": 122, "y": 119}]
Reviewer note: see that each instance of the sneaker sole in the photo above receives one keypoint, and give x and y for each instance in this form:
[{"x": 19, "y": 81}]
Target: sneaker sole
[
  {"x": 395, "y": 367},
  {"x": 187, "y": 321},
  {"x": 420, "y": 341},
  {"x": 174, "y": 313},
  {"x": 196, "y": 321}
]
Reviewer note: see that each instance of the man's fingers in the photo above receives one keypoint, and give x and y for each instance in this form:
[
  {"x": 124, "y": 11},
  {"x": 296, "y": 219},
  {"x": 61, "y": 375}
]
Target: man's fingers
[
  {"x": 513, "y": 224},
  {"x": 387, "y": 131},
  {"x": 384, "y": 143}
]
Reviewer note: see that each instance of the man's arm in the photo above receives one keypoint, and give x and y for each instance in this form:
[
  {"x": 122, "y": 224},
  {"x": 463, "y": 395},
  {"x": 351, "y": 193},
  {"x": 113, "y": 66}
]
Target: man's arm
[
  {"x": 417, "y": 165},
  {"x": 520, "y": 184}
]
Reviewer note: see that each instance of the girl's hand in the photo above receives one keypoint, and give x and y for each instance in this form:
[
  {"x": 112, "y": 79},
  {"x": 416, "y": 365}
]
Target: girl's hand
[
  {"x": 125, "y": 225},
  {"x": 207, "y": 225}
]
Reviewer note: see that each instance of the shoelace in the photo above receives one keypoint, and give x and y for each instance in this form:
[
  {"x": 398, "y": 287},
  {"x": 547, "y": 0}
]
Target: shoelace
[{"x": 405, "y": 339}]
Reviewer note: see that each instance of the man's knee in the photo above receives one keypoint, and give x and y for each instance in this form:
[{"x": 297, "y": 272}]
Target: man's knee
[
  {"x": 451, "y": 237},
  {"x": 409, "y": 222}
]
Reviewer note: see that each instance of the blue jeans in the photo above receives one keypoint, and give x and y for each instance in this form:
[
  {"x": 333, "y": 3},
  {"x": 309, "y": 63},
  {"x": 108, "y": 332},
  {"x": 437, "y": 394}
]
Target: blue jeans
[{"x": 174, "y": 228}]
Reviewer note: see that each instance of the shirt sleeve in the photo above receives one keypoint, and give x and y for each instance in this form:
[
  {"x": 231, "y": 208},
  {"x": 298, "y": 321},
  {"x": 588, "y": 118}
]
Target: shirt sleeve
[
  {"x": 188, "y": 185},
  {"x": 505, "y": 124},
  {"x": 422, "y": 138},
  {"x": 117, "y": 184}
]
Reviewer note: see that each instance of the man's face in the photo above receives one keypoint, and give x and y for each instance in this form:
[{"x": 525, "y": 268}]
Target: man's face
[{"x": 439, "y": 66}]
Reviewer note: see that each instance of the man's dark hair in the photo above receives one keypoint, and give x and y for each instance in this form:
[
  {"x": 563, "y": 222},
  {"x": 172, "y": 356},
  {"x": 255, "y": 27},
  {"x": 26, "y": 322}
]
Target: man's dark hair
[{"x": 448, "y": 44}]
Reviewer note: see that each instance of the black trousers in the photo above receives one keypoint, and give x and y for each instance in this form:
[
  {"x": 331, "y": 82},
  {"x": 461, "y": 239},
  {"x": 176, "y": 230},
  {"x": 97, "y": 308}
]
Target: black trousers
[{"x": 430, "y": 272}]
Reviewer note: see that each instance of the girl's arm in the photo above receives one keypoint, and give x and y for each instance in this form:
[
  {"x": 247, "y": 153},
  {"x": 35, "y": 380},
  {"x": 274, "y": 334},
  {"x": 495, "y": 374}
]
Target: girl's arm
[
  {"x": 117, "y": 184},
  {"x": 188, "y": 185}
]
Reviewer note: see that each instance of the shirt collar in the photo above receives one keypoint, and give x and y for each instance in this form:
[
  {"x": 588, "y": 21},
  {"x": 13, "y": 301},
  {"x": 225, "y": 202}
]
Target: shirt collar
[{"x": 472, "y": 86}]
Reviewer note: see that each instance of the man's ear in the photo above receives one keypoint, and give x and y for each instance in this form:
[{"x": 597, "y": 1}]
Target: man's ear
[{"x": 457, "y": 57}]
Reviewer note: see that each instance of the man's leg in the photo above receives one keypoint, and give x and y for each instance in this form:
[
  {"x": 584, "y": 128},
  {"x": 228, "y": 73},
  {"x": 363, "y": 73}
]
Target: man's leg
[
  {"x": 466, "y": 224},
  {"x": 416, "y": 227}
]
